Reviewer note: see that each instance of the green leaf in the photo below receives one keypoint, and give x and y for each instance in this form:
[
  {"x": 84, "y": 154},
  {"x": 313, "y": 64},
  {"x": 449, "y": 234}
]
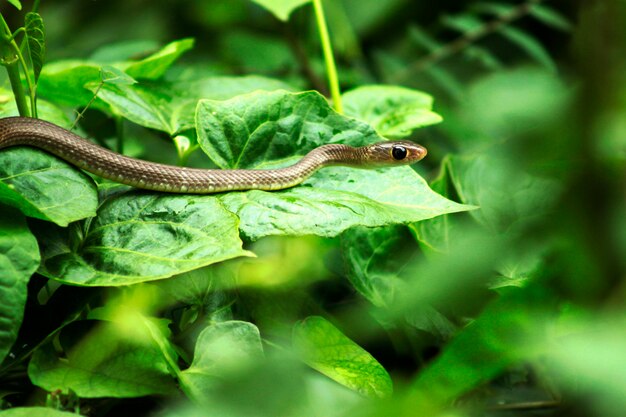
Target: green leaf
[
  {"x": 529, "y": 44},
  {"x": 46, "y": 110},
  {"x": 550, "y": 17},
  {"x": 123, "y": 50},
  {"x": 16, "y": 3},
  {"x": 222, "y": 350},
  {"x": 281, "y": 8},
  {"x": 393, "y": 111},
  {"x": 250, "y": 129},
  {"x": 154, "y": 66},
  {"x": 326, "y": 349},
  {"x": 501, "y": 337},
  {"x": 374, "y": 258},
  {"x": 112, "y": 75},
  {"x": 434, "y": 234},
  {"x": 462, "y": 23},
  {"x": 261, "y": 128},
  {"x": 507, "y": 199},
  {"x": 170, "y": 107},
  {"x": 19, "y": 258},
  {"x": 36, "y": 41},
  {"x": 35, "y": 412},
  {"x": 140, "y": 237},
  {"x": 337, "y": 198},
  {"x": 45, "y": 187},
  {"x": 152, "y": 106},
  {"x": 63, "y": 82},
  {"x": 110, "y": 360}
]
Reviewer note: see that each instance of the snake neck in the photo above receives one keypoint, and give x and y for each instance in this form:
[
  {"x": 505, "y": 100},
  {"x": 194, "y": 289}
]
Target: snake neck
[{"x": 335, "y": 154}]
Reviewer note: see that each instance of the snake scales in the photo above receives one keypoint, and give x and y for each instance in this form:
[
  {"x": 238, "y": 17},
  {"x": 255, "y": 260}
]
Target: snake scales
[{"x": 20, "y": 131}]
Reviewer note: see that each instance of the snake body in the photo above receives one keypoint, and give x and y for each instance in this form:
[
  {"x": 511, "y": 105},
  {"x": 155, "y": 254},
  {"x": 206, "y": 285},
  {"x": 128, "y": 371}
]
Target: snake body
[{"x": 20, "y": 131}]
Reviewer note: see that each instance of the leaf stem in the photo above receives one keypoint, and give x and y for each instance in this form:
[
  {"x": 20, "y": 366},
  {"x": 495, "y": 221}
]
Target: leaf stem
[{"x": 331, "y": 68}]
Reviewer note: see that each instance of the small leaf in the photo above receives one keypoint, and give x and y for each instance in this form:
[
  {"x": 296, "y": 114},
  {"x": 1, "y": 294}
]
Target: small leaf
[
  {"x": 392, "y": 111},
  {"x": 462, "y": 23},
  {"x": 222, "y": 350},
  {"x": 109, "y": 360},
  {"x": 36, "y": 41},
  {"x": 154, "y": 66},
  {"x": 19, "y": 258},
  {"x": 139, "y": 237},
  {"x": 326, "y": 349},
  {"x": 16, "y": 3},
  {"x": 529, "y": 44},
  {"x": 112, "y": 75},
  {"x": 281, "y": 8},
  {"x": 35, "y": 412},
  {"x": 550, "y": 17}
]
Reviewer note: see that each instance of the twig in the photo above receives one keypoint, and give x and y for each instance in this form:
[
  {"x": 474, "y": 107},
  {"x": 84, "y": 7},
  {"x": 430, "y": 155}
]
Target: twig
[{"x": 466, "y": 39}]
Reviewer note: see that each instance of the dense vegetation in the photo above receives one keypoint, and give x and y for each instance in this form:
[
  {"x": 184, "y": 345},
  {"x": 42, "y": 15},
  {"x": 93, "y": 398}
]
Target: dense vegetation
[{"x": 489, "y": 279}]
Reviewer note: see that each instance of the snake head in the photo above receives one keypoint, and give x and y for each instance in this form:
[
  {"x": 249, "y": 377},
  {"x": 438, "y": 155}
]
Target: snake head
[{"x": 398, "y": 152}]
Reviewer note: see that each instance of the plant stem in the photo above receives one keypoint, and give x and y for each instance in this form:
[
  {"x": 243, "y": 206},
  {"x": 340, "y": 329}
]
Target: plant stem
[
  {"x": 331, "y": 68},
  {"x": 119, "y": 127},
  {"x": 10, "y": 57},
  {"x": 17, "y": 87}
]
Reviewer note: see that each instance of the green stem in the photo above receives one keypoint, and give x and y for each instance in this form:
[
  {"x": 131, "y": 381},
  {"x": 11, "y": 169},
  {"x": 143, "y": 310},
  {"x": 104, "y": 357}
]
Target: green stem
[
  {"x": 119, "y": 127},
  {"x": 331, "y": 68},
  {"x": 17, "y": 87},
  {"x": 10, "y": 57}
]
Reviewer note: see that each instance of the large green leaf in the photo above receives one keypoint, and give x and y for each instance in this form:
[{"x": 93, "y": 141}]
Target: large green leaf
[
  {"x": 110, "y": 360},
  {"x": 263, "y": 128},
  {"x": 45, "y": 187},
  {"x": 170, "y": 107},
  {"x": 281, "y": 8},
  {"x": 222, "y": 350},
  {"x": 39, "y": 184},
  {"x": 140, "y": 237},
  {"x": 64, "y": 82},
  {"x": 255, "y": 128},
  {"x": 393, "y": 111},
  {"x": 19, "y": 258},
  {"x": 326, "y": 349},
  {"x": 336, "y": 199}
]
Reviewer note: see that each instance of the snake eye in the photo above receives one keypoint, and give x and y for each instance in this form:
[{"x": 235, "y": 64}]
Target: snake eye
[{"x": 398, "y": 152}]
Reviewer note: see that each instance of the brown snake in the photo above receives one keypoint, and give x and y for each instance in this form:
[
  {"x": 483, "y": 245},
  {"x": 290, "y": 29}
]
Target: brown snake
[{"x": 20, "y": 131}]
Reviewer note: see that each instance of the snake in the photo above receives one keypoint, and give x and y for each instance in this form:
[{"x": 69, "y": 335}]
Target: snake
[{"x": 23, "y": 131}]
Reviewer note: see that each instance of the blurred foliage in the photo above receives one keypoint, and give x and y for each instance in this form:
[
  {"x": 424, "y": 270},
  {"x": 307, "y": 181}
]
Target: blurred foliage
[{"x": 501, "y": 293}]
